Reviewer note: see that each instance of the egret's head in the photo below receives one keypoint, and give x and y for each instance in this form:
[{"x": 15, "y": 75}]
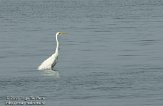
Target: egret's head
[{"x": 60, "y": 33}]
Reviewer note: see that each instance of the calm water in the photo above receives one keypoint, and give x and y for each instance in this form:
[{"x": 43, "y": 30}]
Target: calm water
[{"x": 111, "y": 56}]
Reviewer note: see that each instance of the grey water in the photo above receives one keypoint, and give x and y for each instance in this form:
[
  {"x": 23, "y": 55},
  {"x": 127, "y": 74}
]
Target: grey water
[{"x": 112, "y": 54}]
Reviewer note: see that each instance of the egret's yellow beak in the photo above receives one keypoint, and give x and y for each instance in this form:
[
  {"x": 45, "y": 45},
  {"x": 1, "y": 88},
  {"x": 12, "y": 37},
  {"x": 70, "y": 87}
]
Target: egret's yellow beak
[{"x": 62, "y": 33}]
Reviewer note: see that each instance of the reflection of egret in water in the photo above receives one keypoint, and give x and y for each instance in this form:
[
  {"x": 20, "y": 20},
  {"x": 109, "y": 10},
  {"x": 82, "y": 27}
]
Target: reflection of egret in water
[{"x": 53, "y": 73}]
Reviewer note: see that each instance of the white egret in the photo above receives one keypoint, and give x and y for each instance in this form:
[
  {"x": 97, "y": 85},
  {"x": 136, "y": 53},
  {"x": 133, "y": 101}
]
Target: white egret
[{"x": 50, "y": 62}]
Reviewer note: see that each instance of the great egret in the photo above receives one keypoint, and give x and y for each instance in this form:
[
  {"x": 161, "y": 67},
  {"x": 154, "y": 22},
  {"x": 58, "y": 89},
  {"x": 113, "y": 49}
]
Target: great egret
[{"x": 50, "y": 62}]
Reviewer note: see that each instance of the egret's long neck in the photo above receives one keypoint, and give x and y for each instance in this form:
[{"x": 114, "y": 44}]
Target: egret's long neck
[{"x": 57, "y": 47}]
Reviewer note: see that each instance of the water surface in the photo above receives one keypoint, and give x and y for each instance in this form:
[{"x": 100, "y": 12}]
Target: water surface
[{"x": 112, "y": 54}]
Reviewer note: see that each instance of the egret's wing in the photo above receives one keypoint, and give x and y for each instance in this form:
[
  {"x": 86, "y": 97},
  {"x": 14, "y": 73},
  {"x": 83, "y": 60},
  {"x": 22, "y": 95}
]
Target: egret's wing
[
  {"x": 54, "y": 62},
  {"x": 48, "y": 63}
]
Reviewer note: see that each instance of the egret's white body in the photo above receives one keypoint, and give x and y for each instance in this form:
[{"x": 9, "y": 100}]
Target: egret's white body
[{"x": 50, "y": 62}]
